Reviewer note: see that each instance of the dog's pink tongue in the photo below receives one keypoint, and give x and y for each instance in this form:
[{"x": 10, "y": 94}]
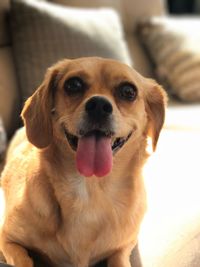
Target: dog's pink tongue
[{"x": 94, "y": 155}]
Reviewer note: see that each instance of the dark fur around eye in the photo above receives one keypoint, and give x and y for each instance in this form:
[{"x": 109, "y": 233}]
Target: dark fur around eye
[
  {"x": 74, "y": 86},
  {"x": 127, "y": 91}
]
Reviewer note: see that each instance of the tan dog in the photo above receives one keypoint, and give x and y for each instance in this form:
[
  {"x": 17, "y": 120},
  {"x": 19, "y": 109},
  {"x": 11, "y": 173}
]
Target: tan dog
[{"x": 73, "y": 189}]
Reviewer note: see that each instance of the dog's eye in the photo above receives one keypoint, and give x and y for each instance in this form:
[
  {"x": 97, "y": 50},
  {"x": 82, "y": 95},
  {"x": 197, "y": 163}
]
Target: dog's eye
[
  {"x": 127, "y": 91},
  {"x": 74, "y": 85}
]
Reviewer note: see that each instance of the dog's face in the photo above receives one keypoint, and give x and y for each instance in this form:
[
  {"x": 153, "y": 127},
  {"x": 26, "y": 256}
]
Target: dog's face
[{"x": 94, "y": 105}]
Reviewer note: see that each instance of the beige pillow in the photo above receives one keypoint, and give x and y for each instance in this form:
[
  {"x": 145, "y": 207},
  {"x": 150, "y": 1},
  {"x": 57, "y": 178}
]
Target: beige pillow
[
  {"x": 130, "y": 10},
  {"x": 174, "y": 47},
  {"x": 44, "y": 33}
]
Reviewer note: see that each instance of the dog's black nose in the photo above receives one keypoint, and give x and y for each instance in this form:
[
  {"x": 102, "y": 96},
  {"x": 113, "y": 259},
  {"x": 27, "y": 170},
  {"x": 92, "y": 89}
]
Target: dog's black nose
[{"x": 98, "y": 108}]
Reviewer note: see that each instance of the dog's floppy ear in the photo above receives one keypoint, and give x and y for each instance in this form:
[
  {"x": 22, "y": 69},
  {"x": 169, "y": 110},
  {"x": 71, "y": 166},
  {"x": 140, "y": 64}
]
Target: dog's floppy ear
[
  {"x": 36, "y": 113},
  {"x": 155, "y": 103}
]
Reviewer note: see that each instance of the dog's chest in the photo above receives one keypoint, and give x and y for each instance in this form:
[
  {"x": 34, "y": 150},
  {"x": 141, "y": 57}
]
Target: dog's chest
[
  {"x": 94, "y": 221},
  {"x": 97, "y": 222}
]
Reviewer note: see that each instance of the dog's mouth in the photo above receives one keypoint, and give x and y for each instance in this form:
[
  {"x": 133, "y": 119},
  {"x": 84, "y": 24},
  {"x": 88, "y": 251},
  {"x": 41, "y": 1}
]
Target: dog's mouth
[
  {"x": 116, "y": 143},
  {"x": 94, "y": 151}
]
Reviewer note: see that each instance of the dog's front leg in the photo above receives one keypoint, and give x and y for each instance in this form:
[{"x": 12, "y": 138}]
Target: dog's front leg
[
  {"x": 121, "y": 258},
  {"x": 16, "y": 255}
]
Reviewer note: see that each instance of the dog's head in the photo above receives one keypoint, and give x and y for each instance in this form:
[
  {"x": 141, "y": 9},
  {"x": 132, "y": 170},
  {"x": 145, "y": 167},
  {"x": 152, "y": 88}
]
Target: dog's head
[{"x": 94, "y": 105}]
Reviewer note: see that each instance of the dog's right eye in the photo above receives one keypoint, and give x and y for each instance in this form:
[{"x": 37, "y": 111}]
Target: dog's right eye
[{"x": 74, "y": 85}]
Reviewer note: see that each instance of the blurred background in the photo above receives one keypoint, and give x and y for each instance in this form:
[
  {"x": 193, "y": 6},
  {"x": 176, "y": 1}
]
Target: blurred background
[
  {"x": 161, "y": 40},
  {"x": 184, "y": 6}
]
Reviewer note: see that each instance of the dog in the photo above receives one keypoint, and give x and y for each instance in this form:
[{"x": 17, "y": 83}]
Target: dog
[{"x": 73, "y": 182}]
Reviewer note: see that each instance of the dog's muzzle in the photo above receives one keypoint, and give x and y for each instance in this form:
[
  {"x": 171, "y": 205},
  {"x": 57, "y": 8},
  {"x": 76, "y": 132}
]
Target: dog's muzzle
[{"x": 96, "y": 143}]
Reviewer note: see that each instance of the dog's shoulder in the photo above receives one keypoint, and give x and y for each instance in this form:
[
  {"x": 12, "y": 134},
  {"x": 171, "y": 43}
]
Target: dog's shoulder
[
  {"x": 20, "y": 159},
  {"x": 17, "y": 143}
]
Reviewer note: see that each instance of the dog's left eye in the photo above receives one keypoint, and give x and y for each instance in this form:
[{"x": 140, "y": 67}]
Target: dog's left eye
[
  {"x": 127, "y": 91},
  {"x": 74, "y": 85}
]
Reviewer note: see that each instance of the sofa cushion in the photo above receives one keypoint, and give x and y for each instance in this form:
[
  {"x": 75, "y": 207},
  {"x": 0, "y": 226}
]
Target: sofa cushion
[
  {"x": 134, "y": 10},
  {"x": 44, "y": 33},
  {"x": 3, "y": 140},
  {"x": 170, "y": 232},
  {"x": 140, "y": 60},
  {"x": 9, "y": 94},
  {"x": 4, "y": 33},
  {"x": 173, "y": 45}
]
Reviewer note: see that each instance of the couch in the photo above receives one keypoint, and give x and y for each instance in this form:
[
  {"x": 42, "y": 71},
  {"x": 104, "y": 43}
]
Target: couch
[{"x": 170, "y": 233}]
